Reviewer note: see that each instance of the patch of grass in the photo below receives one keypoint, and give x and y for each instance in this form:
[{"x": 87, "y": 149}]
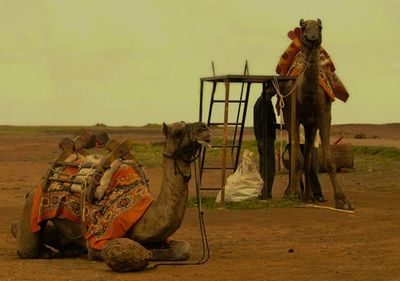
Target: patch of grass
[
  {"x": 286, "y": 202},
  {"x": 378, "y": 151},
  {"x": 149, "y": 155},
  {"x": 376, "y": 157},
  {"x": 246, "y": 144},
  {"x": 206, "y": 202},
  {"x": 251, "y": 204}
]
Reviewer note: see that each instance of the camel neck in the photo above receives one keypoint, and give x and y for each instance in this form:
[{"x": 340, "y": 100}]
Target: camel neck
[
  {"x": 312, "y": 64},
  {"x": 173, "y": 183},
  {"x": 311, "y": 56},
  {"x": 166, "y": 213}
]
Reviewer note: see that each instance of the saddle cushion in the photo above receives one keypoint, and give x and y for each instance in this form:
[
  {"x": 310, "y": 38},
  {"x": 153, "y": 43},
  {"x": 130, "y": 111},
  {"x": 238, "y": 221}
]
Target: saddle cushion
[
  {"x": 124, "y": 202},
  {"x": 291, "y": 63}
]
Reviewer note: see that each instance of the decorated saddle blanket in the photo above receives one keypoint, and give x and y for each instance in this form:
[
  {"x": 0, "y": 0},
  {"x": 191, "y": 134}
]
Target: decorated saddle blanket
[
  {"x": 119, "y": 202},
  {"x": 292, "y": 63}
]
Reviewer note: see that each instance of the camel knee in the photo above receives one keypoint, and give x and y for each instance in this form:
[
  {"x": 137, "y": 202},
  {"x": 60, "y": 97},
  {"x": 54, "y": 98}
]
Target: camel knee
[
  {"x": 28, "y": 243},
  {"x": 28, "y": 254},
  {"x": 181, "y": 250},
  {"x": 178, "y": 250}
]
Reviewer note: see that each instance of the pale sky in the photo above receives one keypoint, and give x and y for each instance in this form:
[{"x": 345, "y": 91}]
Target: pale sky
[{"x": 133, "y": 62}]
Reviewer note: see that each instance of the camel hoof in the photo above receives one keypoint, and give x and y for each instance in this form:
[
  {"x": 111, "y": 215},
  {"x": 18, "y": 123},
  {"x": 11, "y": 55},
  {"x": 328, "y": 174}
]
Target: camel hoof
[
  {"x": 308, "y": 198},
  {"x": 43, "y": 253},
  {"x": 344, "y": 204},
  {"x": 93, "y": 254},
  {"x": 292, "y": 195},
  {"x": 177, "y": 250},
  {"x": 48, "y": 253}
]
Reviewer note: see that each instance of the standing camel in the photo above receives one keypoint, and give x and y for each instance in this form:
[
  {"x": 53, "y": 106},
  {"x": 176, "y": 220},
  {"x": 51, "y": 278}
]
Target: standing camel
[{"x": 313, "y": 110}]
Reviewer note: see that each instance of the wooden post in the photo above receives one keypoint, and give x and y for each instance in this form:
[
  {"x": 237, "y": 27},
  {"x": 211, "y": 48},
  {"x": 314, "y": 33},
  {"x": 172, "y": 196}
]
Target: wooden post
[
  {"x": 293, "y": 145},
  {"x": 224, "y": 143}
]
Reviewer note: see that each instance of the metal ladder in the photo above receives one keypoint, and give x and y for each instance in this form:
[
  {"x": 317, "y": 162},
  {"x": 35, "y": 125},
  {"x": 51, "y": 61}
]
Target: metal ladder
[{"x": 237, "y": 127}]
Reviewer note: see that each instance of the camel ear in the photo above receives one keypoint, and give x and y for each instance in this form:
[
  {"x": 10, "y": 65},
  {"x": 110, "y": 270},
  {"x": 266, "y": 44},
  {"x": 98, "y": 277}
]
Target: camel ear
[
  {"x": 301, "y": 22},
  {"x": 319, "y": 21},
  {"x": 164, "y": 129}
]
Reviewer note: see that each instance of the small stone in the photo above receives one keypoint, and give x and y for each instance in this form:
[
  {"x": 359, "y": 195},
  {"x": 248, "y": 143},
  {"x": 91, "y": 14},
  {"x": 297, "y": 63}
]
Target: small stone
[
  {"x": 124, "y": 255},
  {"x": 291, "y": 250}
]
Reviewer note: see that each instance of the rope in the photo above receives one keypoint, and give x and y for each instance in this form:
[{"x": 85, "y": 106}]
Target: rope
[
  {"x": 206, "y": 250},
  {"x": 59, "y": 172},
  {"x": 82, "y": 206},
  {"x": 281, "y": 101},
  {"x": 275, "y": 83}
]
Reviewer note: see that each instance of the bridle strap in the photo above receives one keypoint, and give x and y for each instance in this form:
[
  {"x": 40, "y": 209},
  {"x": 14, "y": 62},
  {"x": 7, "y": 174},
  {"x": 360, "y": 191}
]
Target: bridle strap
[{"x": 177, "y": 155}]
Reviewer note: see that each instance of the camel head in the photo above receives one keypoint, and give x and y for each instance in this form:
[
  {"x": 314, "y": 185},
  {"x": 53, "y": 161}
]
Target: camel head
[
  {"x": 183, "y": 142},
  {"x": 311, "y": 35}
]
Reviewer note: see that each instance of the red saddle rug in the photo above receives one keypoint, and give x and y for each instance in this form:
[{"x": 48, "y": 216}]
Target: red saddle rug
[
  {"x": 124, "y": 202},
  {"x": 291, "y": 63}
]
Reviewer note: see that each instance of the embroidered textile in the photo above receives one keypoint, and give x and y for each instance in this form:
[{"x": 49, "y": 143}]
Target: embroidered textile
[{"x": 122, "y": 205}]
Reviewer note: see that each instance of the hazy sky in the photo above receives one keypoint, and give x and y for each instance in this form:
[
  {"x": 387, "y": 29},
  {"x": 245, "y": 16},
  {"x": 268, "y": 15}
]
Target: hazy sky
[{"x": 133, "y": 62}]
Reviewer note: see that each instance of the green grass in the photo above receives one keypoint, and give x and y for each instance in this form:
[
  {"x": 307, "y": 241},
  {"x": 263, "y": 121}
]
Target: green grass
[
  {"x": 251, "y": 204},
  {"x": 377, "y": 151},
  {"x": 246, "y": 144},
  {"x": 149, "y": 155},
  {"x": 383, "y": 158},
  {"x": 365, "y": 157}
]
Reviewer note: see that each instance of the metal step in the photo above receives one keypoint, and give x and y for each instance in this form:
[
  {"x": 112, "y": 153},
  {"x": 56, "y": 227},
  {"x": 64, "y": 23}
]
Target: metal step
[
  {"x": 229, "y": 146},
  {"x": 210, "y": 188},
  {"x": 217, "y": 168},
  {"x": 222, "y": 123},
  {"x": 230, "y": 101}
]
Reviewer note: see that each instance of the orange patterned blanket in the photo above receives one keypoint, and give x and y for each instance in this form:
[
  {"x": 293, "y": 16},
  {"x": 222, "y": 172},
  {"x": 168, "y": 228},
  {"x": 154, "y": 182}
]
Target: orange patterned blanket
[
  {"x": 291, "y": 63},
  {"x": 122, "y": 205}
]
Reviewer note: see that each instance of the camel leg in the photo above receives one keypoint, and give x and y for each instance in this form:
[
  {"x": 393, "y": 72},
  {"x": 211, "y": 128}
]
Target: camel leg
[
  {"x": 71, "y": 241},
  {"x": 30, "y": 245},
  {"x": 341, "y": 201},
  {"x": 177, "y": 250},
  {"x": 35, "y": 245},
  {"x": 293, "y": 189},
  {"x": 309, "y": 133}
]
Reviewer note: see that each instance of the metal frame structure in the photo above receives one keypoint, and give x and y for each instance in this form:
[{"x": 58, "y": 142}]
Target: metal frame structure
[{"x": 247, "y": 81}]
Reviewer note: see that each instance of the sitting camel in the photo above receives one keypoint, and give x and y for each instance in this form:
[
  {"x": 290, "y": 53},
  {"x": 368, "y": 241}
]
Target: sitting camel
[
  {"x": 313, "y": 110},
  {"x": 157, "y": 222}
]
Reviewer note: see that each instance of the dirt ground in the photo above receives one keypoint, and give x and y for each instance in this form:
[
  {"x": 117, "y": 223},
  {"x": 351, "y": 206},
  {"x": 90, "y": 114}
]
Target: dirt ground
[{"x": 244, "y": 244}]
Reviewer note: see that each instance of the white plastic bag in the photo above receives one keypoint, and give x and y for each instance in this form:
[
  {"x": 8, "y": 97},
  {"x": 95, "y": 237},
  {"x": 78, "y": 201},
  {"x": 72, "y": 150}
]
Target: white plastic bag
[{"x": 245, "y": 183}]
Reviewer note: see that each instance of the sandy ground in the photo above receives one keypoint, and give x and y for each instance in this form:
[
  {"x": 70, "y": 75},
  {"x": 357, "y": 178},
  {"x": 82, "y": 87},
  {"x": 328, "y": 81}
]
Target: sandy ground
[{"x": 245, "y": 244}]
